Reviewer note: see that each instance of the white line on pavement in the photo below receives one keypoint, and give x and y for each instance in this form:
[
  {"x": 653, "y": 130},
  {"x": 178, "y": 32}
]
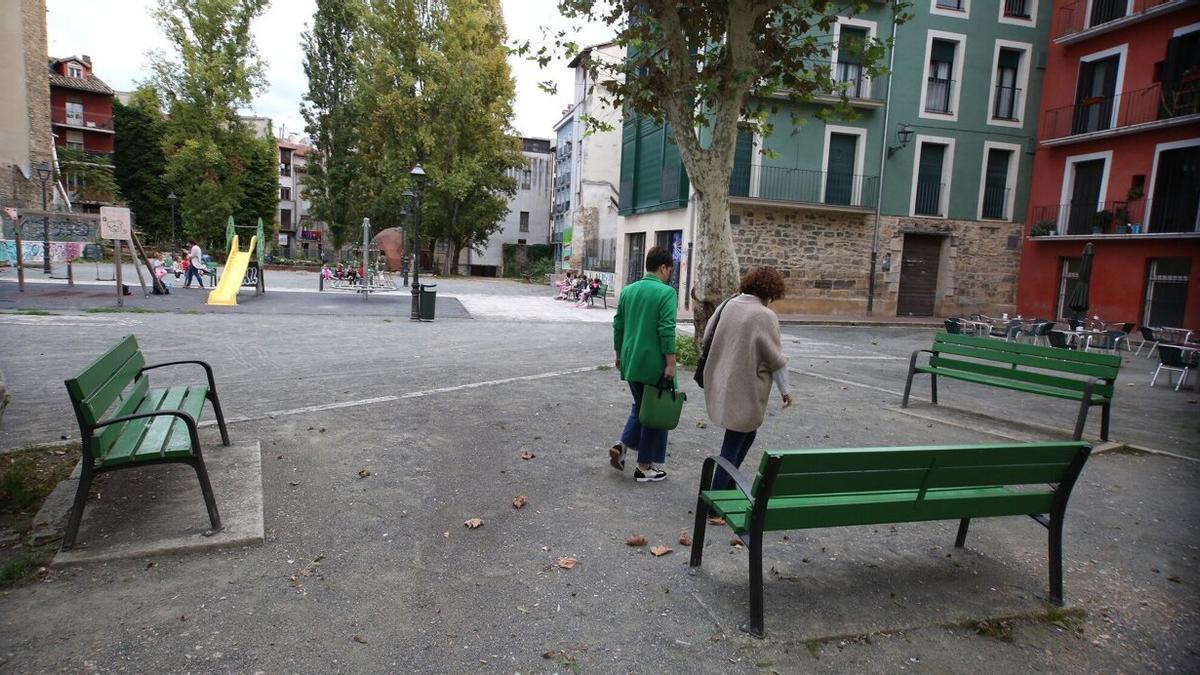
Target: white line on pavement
[{"x": 388, "y": 399}]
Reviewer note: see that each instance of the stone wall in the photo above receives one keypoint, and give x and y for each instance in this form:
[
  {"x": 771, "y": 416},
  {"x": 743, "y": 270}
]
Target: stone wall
[
  {"x": 824, "y": 256},
  {"x": 24, "y": 45}
]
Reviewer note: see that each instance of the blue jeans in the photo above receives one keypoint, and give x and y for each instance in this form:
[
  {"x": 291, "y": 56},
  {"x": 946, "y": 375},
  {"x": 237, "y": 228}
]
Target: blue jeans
[
  {"x": 734, "y": 449},
  {"x": 193, "y": 270},
  {"x": 651, "y": 444}
]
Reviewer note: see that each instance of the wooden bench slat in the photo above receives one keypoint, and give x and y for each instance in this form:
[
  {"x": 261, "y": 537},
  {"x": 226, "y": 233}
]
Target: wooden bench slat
[
  {"x": 1100, "y": 394},
  {"x": 135, "y": 402},
  {"x": 97, "y": 404},
  {"x": 98, "y": 372},
  {"x": 941, "y": 365},
  {"x": 1069, "y": 355},
  {"x": 1048, "y": 361},
  {"x": 881, "y": 458},
  {"x": 155, "y": 441},
  {"x": 126, "y": 447}
]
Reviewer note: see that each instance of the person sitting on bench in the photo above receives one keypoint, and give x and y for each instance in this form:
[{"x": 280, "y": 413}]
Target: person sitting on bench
[
  {"x": 592, "y": 287},
  {"x": 564, "y": 286}
]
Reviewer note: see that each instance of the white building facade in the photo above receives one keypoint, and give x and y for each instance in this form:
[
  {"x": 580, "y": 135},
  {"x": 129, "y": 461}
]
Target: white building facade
[
  {"x": 588, "y": 170},
  {"x": 528, "y": 219}
]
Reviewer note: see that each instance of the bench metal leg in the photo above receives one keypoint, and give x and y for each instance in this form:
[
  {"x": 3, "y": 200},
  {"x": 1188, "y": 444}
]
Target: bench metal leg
[
  {"x": 216, "y": 404},
  {"x": 755, "y": 627},
  {"x": 81, "y": 493},
  {"x": 1056, "y": 575},
  {"x": 1104, "y": 413},
  {"x": 961, "y": 539},
  {"x": 912, "y": 370},
  {"x": 698, "y": 533},
  {"x": 933, "y": 388},
  {"x": 210, "y": 501}
]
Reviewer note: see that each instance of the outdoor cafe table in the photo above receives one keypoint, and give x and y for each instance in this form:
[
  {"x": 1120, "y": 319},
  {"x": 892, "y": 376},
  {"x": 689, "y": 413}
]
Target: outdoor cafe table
[
  {"x": 1175, "y": 336},
  {"x": 1082, "y": 339}
]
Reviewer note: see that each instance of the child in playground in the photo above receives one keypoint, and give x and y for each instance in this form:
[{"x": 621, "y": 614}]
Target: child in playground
[
  {"x": 565, "y": 285},
  {"x": 592, "y": 287},
  {"x": 326, "y": 274}
]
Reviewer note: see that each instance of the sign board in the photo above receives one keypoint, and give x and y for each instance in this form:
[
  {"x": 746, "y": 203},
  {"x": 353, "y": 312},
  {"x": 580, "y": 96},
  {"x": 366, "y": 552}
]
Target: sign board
[
  {"x": 114, "y": 222},
  {"x": 283, "y": 240}
]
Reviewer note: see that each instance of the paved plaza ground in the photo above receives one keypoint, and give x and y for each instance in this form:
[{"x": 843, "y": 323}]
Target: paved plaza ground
[{"x": 377, "y": 573}]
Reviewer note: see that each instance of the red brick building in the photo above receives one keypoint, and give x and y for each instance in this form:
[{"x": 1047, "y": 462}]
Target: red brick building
[
  {"x": 80, "y": 106},
  {"x": 1117, "y": 163}
]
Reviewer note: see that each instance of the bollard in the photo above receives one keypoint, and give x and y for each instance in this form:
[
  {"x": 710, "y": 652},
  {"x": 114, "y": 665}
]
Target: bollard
[{"x": 70, "y": 272}]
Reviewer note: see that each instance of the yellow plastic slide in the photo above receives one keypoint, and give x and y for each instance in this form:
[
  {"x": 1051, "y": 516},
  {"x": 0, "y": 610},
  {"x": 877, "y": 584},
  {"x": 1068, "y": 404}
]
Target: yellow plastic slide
[{"x": 225, "y": 294}]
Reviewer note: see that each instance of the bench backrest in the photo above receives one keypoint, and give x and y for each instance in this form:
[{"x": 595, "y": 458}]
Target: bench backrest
[
  {"x": 1063, "y": 368},
  {"x": 111, "y": 382}
]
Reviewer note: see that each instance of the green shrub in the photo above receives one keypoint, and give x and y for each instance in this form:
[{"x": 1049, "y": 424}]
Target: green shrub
[{"x": 686, "y": 352}]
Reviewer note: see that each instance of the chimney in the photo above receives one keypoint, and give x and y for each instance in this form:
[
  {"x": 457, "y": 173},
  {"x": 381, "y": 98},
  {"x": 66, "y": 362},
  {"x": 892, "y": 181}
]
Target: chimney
[{"x": 87, "y": 59}]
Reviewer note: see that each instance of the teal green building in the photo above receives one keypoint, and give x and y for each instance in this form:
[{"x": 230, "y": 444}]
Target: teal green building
[{"x": 930, "y": 172}]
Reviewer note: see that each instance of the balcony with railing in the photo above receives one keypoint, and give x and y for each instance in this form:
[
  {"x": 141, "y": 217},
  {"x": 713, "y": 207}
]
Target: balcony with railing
[
  {"x": 1173, "y": 215},
  {"x": 1122, "y": 113},
  {"x": 1082, "y": 19},
  {"x": 1007, "y": 104},
  {"x": 995, "y": 203},
  {"x": 803, "y": 186},
  {"x": 1017, "y": 9},
  {"x": 929, "y": 201},
  {"x": 938, "y": 95},
  {"x": 75, "y": 118}
]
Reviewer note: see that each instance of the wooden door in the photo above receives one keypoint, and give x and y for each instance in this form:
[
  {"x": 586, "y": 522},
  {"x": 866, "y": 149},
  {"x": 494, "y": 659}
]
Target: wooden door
[
  {"x": 839, "y": 177},
  {"x": 918, "y": 275},
  {"x": 1085, "y": 196}
]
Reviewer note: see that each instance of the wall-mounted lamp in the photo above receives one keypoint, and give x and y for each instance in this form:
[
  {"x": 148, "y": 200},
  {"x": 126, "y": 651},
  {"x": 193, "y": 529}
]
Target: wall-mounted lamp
[
  {"x": 904, "y": 134},
  {"x": 887, "y": 261}
]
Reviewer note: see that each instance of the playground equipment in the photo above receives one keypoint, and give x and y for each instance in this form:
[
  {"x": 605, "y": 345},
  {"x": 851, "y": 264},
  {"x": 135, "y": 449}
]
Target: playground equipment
[
  {"x": 243, "y": 269},
  {"x": 372, "y": 273}
]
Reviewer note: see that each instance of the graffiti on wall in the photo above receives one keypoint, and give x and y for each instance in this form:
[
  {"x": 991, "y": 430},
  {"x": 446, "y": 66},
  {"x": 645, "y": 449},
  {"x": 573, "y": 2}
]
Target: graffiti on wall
[{"x": 33, "y": 251}]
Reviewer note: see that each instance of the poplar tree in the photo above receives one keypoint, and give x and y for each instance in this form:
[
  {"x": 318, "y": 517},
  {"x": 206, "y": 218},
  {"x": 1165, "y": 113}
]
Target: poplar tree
[{"x": 140, "y": 163}]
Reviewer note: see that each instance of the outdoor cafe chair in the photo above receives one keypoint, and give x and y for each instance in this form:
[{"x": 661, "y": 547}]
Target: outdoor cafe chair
[
  {"x": 1058, "y": 339},
  {"x": 953, "y": 327},
  {"x": 1148, "y": 338},
  {"x": 1171, "y": 359}
]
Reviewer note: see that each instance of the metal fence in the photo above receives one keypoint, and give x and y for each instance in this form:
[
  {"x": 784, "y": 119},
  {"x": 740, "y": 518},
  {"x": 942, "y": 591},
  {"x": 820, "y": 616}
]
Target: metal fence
[
  {"x": 1076, "y": 17},
  {"x": 600, "y": 255},
  {"x": 804, "y": 186},
  {"x": 1098, "y": 113}
]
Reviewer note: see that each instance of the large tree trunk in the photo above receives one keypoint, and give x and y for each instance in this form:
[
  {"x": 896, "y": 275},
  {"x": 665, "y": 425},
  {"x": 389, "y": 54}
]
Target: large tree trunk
[{"x": 714, "y": 260}]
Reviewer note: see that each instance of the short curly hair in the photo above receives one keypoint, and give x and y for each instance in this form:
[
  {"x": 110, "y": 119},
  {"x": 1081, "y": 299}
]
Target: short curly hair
[{"x": 764, "y": 282}]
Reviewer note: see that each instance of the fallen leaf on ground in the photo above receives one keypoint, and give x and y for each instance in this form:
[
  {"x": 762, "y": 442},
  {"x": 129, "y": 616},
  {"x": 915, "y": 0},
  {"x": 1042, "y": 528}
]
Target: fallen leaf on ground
[
  {"x": 736, "y": 542},
  {"x": 519, "y": 501},
  {"x": 363, "y": 473},
  {"x": 527, "y": 455},
  {"x": 294, "y": 483},
  {"x": 660, "y": 551},
  {"x": 474, "y": 523},
  {"x": 550, "y": 654},
  {"x": 446, "y": 534},
  {"x": 685, "y": 539},
  {"x": 1176, "y": 578},
  {"x": 635, "y": 540},
  {"x": 701, "y": 425},
  {"x": 567, "y": 563},
  {"x": 360, "y": 639}
]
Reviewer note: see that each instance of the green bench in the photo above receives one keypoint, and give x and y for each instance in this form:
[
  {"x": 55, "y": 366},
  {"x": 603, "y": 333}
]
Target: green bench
[
  {"x": 1063, "y": 373},
  {"x": 601, "y": 293},
  {"x": 802, "y": 489},
  {"x": 124, "y": 423}
]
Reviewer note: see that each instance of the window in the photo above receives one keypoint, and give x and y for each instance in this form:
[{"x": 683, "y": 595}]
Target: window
[
  {"x": 520, "y": 242},
  {"x": 75, "y": 140},
  {"x": 842, "y": 182},
  {"x": 1175, "y": 188},
  {"x": 1007, "y": 97},
  {"x": 1085, "y": 182},
  {"x": 74, "y": 70},
  {"x": 285, "y": 194},
  {"x": 848, "y": 70},
  {"x": 930, "y": 180},
  {"x": 996, "y": 188},
  {"x": 526, "y": 179},
  {"x": 940, "y": 83},
  {"x": 285, "y": 218},
  {"x": 1166, "y": 291},
  {"x": 1067, "y": 278},
  {"x": 1104, "y": 11},
  {"x": 1017, "y": 9},
  {"x": 959, "y": 9},
  {"x": 1180, "y": 75},
  {"x": 75, "y": 113},
  {"x": 524, "y": 221},
  {"x": 1096, "y": 92}
]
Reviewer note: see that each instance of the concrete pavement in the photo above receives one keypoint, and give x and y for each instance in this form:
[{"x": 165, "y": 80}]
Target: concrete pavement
[{"x": 378, "y": 573}]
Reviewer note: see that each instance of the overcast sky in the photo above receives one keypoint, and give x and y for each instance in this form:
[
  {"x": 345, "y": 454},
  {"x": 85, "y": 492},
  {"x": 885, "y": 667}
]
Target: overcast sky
[{"x": 118, "y": 33}]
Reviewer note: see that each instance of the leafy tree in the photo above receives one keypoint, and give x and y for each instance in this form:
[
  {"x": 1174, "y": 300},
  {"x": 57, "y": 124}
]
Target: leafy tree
[
  {"x": 469, "y": 95},
  {"x": 89, "y": 175},
  {"x": 331, "y": 65},
  {"x": 260, "y": 181},
  {"x": 708, "y": 65},
  {"x": 140, "y": 163},
  {"x": 214, "y": 70}
]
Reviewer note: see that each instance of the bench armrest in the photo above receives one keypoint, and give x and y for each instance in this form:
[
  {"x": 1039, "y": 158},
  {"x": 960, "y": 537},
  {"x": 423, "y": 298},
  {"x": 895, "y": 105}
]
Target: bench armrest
[
  {"x": 739, "y": 479},
  {"x": 187, "y": 419},
  {"x": 912, "y": 362},
  {"x": 208, "y": 371}
]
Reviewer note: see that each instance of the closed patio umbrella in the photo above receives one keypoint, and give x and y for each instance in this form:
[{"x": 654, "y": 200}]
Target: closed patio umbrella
[{"x": 1078, "y": 302}]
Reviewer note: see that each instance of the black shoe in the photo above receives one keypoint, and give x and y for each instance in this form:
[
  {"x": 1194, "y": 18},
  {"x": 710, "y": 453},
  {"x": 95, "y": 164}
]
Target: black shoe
[
  {"x": 616, "y": 456},
  {"x": 651, "y": 475}
]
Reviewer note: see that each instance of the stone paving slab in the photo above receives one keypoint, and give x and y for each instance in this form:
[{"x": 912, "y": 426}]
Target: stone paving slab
[{"x": 158, "y": 510}]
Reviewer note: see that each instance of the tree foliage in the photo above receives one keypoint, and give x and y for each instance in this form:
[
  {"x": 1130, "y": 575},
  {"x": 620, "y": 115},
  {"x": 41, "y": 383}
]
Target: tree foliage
[
  {"x": 710, "y": 65},
  {"x": 88, "y": 176},
  {"x": 331, "y": 65},
  {"x": 214, "y": 163},
  {"x": 140, "y": 162}
]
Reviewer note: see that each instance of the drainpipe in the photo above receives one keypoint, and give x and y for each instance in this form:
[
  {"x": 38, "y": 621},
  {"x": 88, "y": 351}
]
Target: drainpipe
[{"x": 883, "y": 147}]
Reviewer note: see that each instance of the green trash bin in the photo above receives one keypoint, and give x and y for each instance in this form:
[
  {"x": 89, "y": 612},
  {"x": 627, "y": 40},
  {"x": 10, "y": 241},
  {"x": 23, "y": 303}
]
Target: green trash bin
[{"x": 428, "y": 301}]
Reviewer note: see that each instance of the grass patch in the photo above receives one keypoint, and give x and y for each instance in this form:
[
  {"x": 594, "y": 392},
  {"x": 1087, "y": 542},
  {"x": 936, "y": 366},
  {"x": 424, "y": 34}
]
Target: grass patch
[
  {"x": 25, "y": 565},
  {"x": 1001, "y": 628},
  {"x": 26, "y": 478},
  {"x": 34, "y": 311},
  {"x": 686, "y": 352},
  {"x": 813, "y": 647},
  {"x": 128, "y": 310}
]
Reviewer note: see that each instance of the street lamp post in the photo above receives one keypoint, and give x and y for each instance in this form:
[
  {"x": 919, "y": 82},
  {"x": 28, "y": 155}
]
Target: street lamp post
[
  {"x": 418, "y": 175},
  {"x": 173, "y": 198},
  {"x": 44, "y": 173},
  {"x": 404, "y": 218}
]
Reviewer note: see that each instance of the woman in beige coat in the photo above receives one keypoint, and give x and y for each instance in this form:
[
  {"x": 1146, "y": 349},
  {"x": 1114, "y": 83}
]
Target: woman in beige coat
[{"x": 745, "y": 358}]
